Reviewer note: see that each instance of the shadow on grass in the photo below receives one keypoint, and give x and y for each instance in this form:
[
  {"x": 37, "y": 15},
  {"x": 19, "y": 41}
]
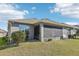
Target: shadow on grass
[
  {"x": 10, "y": 45},
  {"x": 33, "y": 40},
  {"x": 13, "y": 44},
  {"x": 7, "y": 46}
]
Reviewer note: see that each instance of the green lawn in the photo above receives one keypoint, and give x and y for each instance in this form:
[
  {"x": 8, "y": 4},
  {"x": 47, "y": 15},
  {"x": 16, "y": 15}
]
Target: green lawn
[{"x": 51, "y": 48}]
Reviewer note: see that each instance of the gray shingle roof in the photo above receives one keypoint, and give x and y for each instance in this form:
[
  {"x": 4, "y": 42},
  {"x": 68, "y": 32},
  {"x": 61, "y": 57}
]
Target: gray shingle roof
[{"x": 45, "y": 21}]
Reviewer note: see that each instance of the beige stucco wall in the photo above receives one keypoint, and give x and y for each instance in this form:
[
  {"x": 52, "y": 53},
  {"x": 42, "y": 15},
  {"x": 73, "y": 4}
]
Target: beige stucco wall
[
  {"x": 65, "y": 33},
  {"x": 73, "y": 31}
]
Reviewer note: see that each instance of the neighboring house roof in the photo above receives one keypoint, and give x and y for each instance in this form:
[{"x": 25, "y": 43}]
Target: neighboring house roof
[
  {"x": 45, "y": 21},
  {"x": 2, "y": 31}
]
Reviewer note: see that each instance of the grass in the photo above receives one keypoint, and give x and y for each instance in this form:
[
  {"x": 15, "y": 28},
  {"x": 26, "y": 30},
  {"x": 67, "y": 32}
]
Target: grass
[{"x": 51, "y": 48}]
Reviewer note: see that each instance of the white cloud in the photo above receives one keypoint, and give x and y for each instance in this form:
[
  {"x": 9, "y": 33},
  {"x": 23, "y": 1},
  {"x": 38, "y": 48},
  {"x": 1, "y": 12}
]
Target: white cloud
[
  {"x": 72, "y": 23},
  {"x": 33, "y": 8},
  {"x": 51, "y": 11},
  {"x": 67, "y": 9},
  {"x": 26, "y": 11},
  {"x": 11, "y": 12}
]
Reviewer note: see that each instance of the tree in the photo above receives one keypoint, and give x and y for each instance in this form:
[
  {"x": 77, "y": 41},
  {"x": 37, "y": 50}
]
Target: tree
[{"x": 17, "y": 37}]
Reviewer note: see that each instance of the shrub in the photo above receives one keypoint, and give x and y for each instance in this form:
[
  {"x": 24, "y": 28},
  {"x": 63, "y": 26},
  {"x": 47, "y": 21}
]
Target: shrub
[
  {"x": 18, "y": 37},
  {"x": 3, "y": 41},
  {"x": 49, "y": 39},
  {"x": 61, "y": 37}
]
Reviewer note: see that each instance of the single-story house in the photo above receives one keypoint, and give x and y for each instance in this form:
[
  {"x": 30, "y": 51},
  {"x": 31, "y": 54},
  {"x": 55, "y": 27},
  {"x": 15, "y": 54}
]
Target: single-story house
[{"x": 43, "y": 29}]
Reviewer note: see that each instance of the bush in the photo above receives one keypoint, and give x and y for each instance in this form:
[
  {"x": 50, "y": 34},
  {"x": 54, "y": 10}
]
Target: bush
[
  {"x": 3, "y": 41},
  {"x": 18, "y": 37},
  {"x": 49, "y": 39}
]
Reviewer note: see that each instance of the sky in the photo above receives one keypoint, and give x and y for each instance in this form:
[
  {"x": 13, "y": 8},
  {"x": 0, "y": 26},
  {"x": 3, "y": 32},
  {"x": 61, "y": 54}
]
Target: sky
[{"x": 60, "y": 12}]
